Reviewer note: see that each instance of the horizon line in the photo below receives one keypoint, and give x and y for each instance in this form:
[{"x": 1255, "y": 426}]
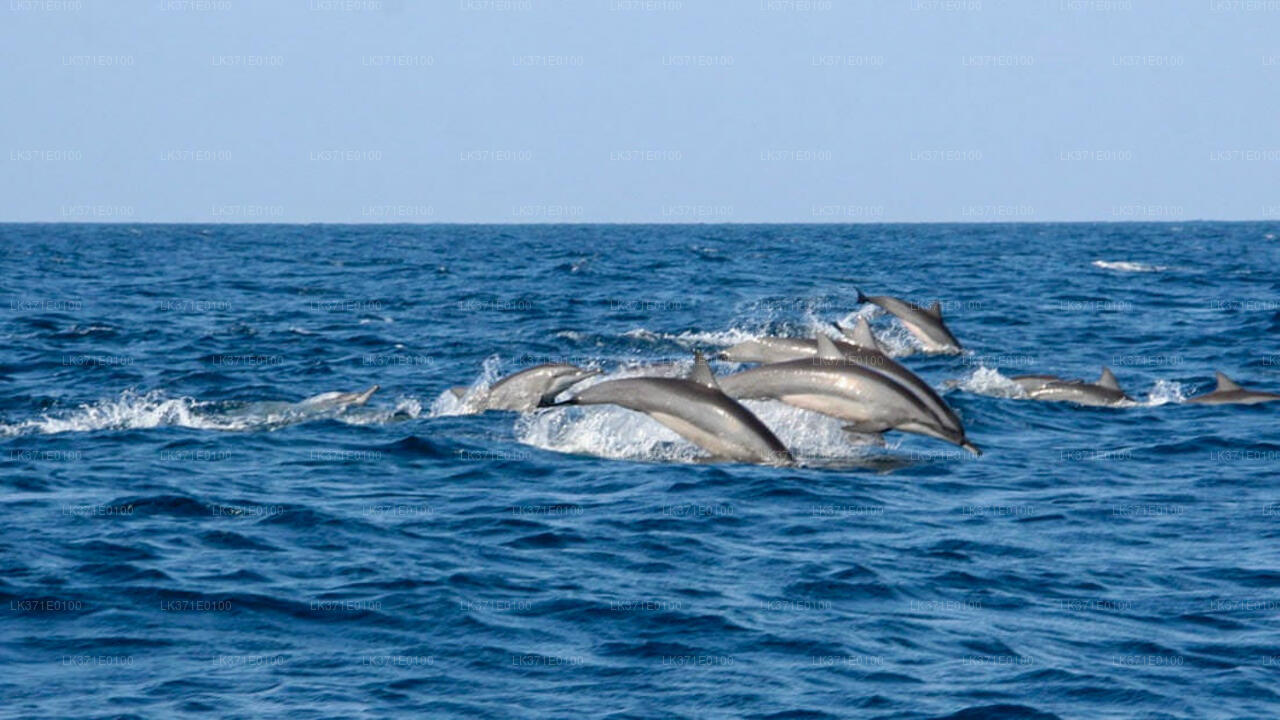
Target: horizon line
[{"x": 629, "y": 222}]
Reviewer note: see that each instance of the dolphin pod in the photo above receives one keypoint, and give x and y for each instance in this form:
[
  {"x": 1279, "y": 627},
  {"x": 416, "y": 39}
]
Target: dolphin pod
[{"x": 852, "y": 379}]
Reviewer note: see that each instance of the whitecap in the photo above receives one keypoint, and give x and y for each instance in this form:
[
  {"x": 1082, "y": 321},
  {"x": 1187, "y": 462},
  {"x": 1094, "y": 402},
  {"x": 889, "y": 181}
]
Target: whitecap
[
  {"x": 1127, "y": 266},
  {"x": 990, "y": 382},
  {"x": 131, "y": 410},
  {"x": 1165, "y": 392}
]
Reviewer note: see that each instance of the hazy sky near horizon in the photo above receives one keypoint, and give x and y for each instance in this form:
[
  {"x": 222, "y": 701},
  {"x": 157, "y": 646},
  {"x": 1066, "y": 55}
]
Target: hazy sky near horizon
[{"x": 639, "y": 110}]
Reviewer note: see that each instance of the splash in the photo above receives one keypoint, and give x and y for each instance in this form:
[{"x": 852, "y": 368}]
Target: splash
[
  {"x": 1127, "y": 266},
  {"x": 470, "y": 403},
  {"x": 604, "y": 431},
  {"x": 1165, "y": 392},
  {"x": 132, "y": 410},
  {"x": 694, "y": 339},
  {"x": 990, "y": 382}
]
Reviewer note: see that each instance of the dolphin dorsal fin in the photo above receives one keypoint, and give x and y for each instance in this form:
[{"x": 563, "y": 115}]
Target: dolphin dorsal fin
[
  {"x": 827, "y": 350},
  {"x": 1226, "y": 384},
  {"x": 935, "y": 309},
  {"x": 1108, "y": 380},
  {"x": 701, "y": 372},
  {"x": 862, "y": 336}
]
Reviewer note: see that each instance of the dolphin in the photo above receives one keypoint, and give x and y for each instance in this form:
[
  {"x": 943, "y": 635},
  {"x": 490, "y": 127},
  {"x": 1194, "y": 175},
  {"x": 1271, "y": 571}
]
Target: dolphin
[
  {"x": 1049, "y": 388},
  {"x": 925, "y": 323},
  {"x": 697, "y": 410},
  {"x": 1229, "y": 393},
  {"x": 862, "y": 349},
  {"x": 339, "y": 399},
  {"x": 862, "y": 336},
  {"x": 530, "y": 388},
  {"x": 869, "y": 401}
]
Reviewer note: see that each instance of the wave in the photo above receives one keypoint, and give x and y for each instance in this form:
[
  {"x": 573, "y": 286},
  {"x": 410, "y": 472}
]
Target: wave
[
  {"x": 1128, "y": 266},
  {"x": 132, "y": 410}
]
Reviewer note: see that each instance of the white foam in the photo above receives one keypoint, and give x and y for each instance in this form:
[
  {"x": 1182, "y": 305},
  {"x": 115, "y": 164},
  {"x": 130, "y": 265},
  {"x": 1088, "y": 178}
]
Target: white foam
[
  {"x": 132, "y": 410},
  {"x": 1127, "y": 266},
  {"x": 691, "y": 339},
  {"x": 990, "y": 382},
  {"x": 128, "y": 411},
  {"x": 604, "y": 431},
  {"x": 1165, "y": 392},
  {"x": 469, "y": 404}
]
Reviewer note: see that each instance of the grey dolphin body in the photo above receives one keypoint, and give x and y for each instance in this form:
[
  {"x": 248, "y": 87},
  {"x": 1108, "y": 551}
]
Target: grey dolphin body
[
  {"x": 869, "y": 401},
  {"x": 1031, "y": 383},
  {"x": 1050, "y": 388},
  {"x": 530, "y": 388},
  {"x": 863, "y": 350},
  {"x": 772, "y": 349},
  {"x": 924, "y": 323},
  {"x": 339, "y": 399},
  {"x": 696, "y": 409},
  {"x": 1229, "y": 393}
]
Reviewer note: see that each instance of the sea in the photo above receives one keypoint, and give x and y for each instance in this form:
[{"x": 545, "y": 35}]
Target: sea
[{"x": 187, "y": 535}]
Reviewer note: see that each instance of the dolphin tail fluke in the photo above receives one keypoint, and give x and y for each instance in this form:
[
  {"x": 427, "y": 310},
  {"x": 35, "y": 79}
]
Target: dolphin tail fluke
[{"x": 861, "y": 298}]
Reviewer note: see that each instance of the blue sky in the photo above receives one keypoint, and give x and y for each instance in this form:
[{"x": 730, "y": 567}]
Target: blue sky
[{"x": 639, "y": 110}]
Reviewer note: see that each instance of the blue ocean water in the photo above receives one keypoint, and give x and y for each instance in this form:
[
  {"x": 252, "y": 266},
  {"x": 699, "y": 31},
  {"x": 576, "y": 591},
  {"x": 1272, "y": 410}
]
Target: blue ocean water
[{"x": 183, "y": 538}]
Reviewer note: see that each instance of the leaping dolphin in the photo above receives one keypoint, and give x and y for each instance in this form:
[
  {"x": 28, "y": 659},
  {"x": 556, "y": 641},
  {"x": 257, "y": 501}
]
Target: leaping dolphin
[
  {"x": 528, "y": 389},
  {"x": 697, "y": 410},
  {"x": 1050, "y": 388},
  {"x": 869, "y": 401},
  {"x": 1229, "y": 393},
  {"x": 924, "y": 323}
]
